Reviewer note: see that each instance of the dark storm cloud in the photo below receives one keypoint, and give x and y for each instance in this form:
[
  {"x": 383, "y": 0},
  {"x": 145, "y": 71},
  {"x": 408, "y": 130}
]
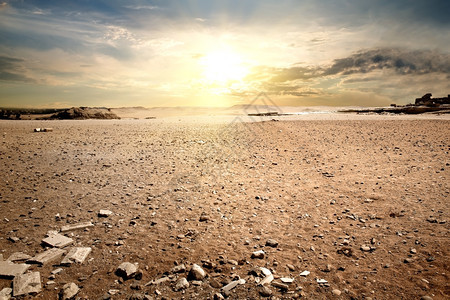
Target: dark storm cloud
[
  {"x": 401, "y": 62},
  {"x": 11, "y": 70}
]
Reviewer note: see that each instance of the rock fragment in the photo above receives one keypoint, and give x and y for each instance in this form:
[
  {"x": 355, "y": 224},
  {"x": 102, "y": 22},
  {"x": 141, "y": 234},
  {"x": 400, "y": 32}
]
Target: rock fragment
[
  {"x": 181, "y": 284},
  {"x": 258, "y": 254},
  {"x": 305, "y": 273},
  {"x": 5, "y": 294},
  {"x": 29, "y": 283},
  {"x": 104, "y": 213},
  {"x": 265, "y": 291},
  {"x": 47, "y": 256},
  {"x": 76, "y": 226},
  {"x": 18, "y": 256},
  {"x": 271, "y": 243},
  {"x": 179, "y": 269},
  {"x": 57, "y": 240},
  {"x": 76, "y": 255},
  {"x": 126, "y": 270},
  {"x": 197, "y": 273},
  {"x": 336, "y": 292},
  {"x": 9, "y": 269},
  {"x": 68, "y": 291},
  {"x": 266, "y": 280}
]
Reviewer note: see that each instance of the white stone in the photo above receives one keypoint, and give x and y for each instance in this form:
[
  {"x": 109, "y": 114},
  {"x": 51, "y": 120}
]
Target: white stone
[
  {"x": 104, "y": 213},
  {"x": 265, "y": 271},
  {"x": 76, "y": 255},
  {"x": 286, "y": 280},
  {"x": 305, "y": 273},
  {"x": 266, "y": 280},
  {"x": 258, "y": 254},
  {"x": 29, "y": 283}
]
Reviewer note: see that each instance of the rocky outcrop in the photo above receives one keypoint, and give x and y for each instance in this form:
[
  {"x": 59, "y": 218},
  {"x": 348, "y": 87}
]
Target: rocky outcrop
[
  {"x": 428, "y": 101},
  {"x": 83, "y": 113}
]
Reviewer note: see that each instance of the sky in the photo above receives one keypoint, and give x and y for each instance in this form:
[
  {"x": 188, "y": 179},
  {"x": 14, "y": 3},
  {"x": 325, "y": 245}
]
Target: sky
[{"x": 151, "y": 53}]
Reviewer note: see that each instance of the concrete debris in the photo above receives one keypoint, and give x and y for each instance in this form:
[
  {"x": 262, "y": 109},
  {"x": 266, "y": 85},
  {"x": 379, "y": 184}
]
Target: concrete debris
[
  {"x": 47, "y": 256},
  {"x": 9, "y": 269},
  {"x": 57, "y": 240},
  {"x": 76, "y": 255},
  {"x": 69, "y": 290},
  {"x": 29, "y": 283},
  {"x": 76, "y": 226},
  {"x": 18, "y": 256}
]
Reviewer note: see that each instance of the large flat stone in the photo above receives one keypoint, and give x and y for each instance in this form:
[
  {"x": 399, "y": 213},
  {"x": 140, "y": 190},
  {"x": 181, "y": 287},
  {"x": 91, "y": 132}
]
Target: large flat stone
[
  {"x": 9, "y": 269},
  {"x": 76, "y": 226},
  {"x": 18, "y": 256},
  {"x": 76, "y": 255},
  {"x": 47, "y": 256},
  {"x": 29, "y": 283},
  {"x": 57, "y": 240}
]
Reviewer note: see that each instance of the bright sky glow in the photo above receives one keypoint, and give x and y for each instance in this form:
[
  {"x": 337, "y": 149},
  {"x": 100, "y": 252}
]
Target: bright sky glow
[{"x": 219, "y": 53}]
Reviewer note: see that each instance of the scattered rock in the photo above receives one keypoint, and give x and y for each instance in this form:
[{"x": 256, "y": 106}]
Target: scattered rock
[
  {"x": 181, "y": 284},
  {"x": 204, "y": 217},
  {"x": 287, "y": 280},
  {"x": 126, "y": 270},
  {"x": 291, "y": 267},
  {"x": 179, "y": 269},
  {"x": 258, "y": 254},
  {"x": 76, "y": 226},
  {"x": 271, "y": 243},
  {"x": 68, "y": 291},
  {"x": 197, "y": 273},
  {"x": 267, "y": 279},
  {"x": 76, "y": 255},
  {"x": 57, "y": 240},
  {"x": 104, "y": 213},
  {"x": 227, "y": 288},
  {"x": 9, "y": 269},
  {"x": 305, "y": 273},
  {"x": 336, "y": 292},
  {"x": 280, "y": 286},
  {"x": 265, "y": 291},
  {"x": 29, "y": 283},
  {"x": 218, "y": 296},
  {"x": 265, "y": 271},
  {"x": 426, "y": 298}
]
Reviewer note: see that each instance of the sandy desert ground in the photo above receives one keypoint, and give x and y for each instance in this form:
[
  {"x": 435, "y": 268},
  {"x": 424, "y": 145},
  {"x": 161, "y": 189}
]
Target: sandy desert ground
[{"x": 359, "y": 202}]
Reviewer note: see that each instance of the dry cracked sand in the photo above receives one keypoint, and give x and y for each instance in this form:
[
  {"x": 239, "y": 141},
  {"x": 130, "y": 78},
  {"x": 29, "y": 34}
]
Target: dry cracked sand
[{"x": 361, "y": 204}]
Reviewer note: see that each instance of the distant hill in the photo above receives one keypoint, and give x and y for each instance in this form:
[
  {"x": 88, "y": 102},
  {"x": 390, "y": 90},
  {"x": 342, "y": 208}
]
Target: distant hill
[{"x": 83, "y": 113}]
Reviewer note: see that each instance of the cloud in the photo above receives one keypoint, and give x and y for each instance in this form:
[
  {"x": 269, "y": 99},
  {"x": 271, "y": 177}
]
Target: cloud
[
  {"x": 11, "y": 70},
  {"x": 400, "y": 61}
]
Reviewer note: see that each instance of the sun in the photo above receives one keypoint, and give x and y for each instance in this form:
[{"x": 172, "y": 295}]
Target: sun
[{"x": 222, "y": 67}]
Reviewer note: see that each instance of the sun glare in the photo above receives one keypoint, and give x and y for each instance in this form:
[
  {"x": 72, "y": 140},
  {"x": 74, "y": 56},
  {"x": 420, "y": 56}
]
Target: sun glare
[{"x": 222, "y": 67}]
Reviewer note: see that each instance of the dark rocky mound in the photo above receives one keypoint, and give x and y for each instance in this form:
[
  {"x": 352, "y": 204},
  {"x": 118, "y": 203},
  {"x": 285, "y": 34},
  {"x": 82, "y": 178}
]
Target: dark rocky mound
[{"x": 83, "y": 113}]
